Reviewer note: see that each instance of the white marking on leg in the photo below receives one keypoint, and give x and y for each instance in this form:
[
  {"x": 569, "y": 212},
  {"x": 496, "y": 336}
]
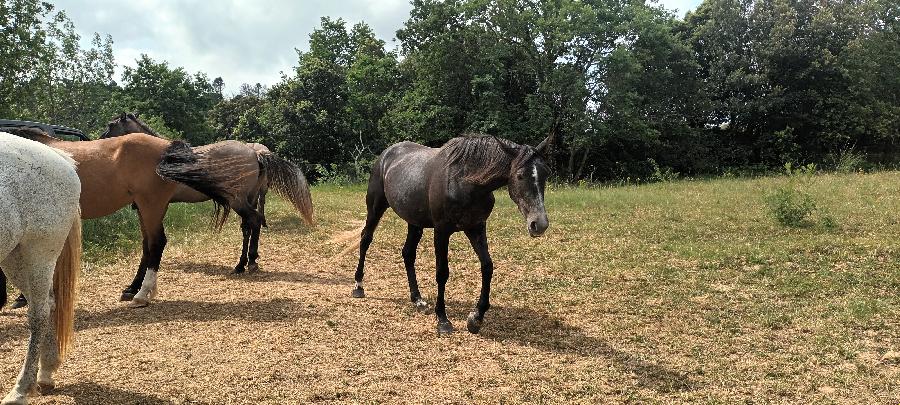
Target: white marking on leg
[
  {"x": 359, "y": 285},
  {"x": 148, "y": 287}
]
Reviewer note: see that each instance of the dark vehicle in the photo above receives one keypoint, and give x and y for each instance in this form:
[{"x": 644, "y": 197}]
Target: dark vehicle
[{"x": 56, "y": 131}]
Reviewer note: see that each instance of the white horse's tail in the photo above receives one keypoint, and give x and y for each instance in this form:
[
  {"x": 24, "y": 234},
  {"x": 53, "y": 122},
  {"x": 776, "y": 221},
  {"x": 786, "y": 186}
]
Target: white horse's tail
[{"x": 65, "y": 288}]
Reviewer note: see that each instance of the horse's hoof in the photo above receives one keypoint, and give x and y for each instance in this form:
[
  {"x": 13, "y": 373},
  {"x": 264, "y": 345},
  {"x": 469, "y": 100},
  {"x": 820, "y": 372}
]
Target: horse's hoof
[
  {"x": 238, "y": 270},
  {"x": 138, "y": 303},
  {"x": 422, "y": 306},
  {"x": 444, "y": 328},
  {"x": 473, "y": 324},
  {"x": 253, "y": 268},
  {"x": 14, "y": 400},
  {"x": 45, "y": 388},
  {"x": 127, "y": 295},
  {"x": 358, "y": 293}
]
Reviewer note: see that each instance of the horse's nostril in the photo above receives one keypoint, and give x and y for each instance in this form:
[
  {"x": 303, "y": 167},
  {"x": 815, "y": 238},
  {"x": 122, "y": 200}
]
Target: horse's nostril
[{"x": 533, "y": 226}]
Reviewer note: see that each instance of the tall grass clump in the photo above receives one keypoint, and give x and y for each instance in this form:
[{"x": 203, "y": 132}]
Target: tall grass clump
[{"x": 794, "y": 207}]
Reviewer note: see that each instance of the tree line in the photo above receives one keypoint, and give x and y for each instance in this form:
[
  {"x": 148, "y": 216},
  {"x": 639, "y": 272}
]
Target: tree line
[{"x": 628, "y": 89}]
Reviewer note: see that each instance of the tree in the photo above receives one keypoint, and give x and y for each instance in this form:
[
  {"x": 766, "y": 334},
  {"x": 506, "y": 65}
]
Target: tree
[{"x": 180, "y": 100}]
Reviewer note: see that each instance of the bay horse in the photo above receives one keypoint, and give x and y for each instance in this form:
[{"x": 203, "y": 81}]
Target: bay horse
[
  {"x": 121, "y": 171},
  {"x": 40, "y": 252},
  {"x": 249, "y": 169},
  {"x": 451, "y": 189}
]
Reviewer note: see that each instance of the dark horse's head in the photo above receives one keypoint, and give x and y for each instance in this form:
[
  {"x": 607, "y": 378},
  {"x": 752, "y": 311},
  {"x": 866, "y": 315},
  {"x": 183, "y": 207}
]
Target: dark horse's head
[
  {"x": 124, "y": 124},
  {"x": 527, "y": 180}
]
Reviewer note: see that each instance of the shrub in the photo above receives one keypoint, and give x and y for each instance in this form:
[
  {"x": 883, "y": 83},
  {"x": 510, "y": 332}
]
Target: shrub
[
  {"x": 790, "y": 207},
  {"x": 793, "y": 207}
]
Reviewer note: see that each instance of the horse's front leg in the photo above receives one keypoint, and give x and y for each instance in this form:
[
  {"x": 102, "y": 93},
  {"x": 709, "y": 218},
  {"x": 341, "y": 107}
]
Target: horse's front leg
[
  {"x": 442, "y": 274},
  {"x": 478, "y": 240}
]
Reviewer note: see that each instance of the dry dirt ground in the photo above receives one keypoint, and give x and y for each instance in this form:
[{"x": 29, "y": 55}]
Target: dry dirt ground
[{"x": 604, "y": 309}]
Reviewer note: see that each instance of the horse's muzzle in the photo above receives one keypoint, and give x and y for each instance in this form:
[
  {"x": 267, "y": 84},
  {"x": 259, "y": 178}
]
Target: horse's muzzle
[{"x": 537, "y": 225}]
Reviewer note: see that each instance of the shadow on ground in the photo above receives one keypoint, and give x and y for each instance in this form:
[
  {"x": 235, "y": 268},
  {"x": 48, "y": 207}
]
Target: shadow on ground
[
  {"x": 261, "y": 276},
  {"x": 274, "y": 310},
  {"x": 544, "y": 331},
  {"x": 93, "y": 393}
]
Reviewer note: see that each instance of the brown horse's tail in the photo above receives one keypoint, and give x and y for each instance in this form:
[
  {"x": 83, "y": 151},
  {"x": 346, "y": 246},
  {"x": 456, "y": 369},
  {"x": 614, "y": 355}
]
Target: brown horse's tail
[
  {"x": 181, "y": 164},
  {"x": 65, "y": 288},
  {"x": 288, "y": 181}
]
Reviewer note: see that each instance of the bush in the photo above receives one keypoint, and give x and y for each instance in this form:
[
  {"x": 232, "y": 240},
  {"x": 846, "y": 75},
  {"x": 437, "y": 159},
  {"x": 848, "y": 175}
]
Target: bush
[{"x": 791, "y": 208}]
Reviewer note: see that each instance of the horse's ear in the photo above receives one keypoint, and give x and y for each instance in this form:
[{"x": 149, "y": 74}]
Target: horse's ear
[
  {"x": 545, "y": 144},
  {"x": 123, "y": 116}
]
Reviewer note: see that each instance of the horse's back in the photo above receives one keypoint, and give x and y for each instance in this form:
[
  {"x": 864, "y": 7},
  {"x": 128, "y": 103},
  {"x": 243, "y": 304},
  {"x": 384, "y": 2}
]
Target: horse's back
[
  {"x": 115, "y": 170},
  {"x": 404, "y": 172}
]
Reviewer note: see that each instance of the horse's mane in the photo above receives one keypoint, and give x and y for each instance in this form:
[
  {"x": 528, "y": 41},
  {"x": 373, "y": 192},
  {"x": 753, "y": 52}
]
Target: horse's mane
[{"x": 481, "y": 158}]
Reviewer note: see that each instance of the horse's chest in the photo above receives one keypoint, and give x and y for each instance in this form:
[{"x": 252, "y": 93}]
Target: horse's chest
[{"x": 467, "y": 214}]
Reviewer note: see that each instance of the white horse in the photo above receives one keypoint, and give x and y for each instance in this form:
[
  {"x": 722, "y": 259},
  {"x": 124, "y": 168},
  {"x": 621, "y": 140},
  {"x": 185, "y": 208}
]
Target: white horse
[{"x": 40, "y": 251}]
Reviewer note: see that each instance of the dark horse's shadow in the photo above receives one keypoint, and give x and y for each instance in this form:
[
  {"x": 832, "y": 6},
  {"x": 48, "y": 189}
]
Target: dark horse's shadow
[
  {"x": 216, "y": 270},
  {"x": 94, "y": 393},
  {"x": 544, "y": 331}
]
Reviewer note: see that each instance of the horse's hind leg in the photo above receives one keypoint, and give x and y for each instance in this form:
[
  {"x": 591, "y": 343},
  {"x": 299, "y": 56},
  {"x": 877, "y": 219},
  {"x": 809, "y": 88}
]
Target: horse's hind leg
[
  {"x": 151, "y": 213},
  {"x": 478, "y": 239},
  {"x": 135, "y": 286},
  {"x": 253, "y": 253},
  {"x": 413, "y": 236},
  {"x": 250, "y": 225},
  {"x": 245, "y": 241},
  {"x": 35, "y": 280},
  {"x": 376, "y": 205}
]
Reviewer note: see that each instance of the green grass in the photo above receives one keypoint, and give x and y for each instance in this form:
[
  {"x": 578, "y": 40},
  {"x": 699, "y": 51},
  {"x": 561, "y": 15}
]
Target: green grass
[{"x": 695, "y": 275}]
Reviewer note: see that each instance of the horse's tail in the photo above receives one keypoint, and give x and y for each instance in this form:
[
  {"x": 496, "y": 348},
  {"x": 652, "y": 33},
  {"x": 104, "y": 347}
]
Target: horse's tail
[
  {"x": 288, "y": 181},
  {"x": 351, "y": 239},
  {"x": 181, "y": 164},
  {"x": 65, "y": 288}
]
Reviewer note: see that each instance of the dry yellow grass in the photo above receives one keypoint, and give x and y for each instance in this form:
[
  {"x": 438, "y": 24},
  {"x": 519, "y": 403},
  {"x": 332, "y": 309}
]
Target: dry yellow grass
[{"x": 668, "y": 293}]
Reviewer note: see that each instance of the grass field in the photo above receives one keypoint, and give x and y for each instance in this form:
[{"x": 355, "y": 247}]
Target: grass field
[{"x": 685, "y": 291}]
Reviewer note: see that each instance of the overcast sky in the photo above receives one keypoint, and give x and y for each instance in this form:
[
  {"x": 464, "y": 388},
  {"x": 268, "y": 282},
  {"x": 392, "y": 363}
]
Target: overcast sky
[{"x": 243, "y": 41}]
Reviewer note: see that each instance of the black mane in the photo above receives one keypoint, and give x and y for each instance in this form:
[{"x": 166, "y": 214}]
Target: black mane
[{"x": 481, "y": 158}]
